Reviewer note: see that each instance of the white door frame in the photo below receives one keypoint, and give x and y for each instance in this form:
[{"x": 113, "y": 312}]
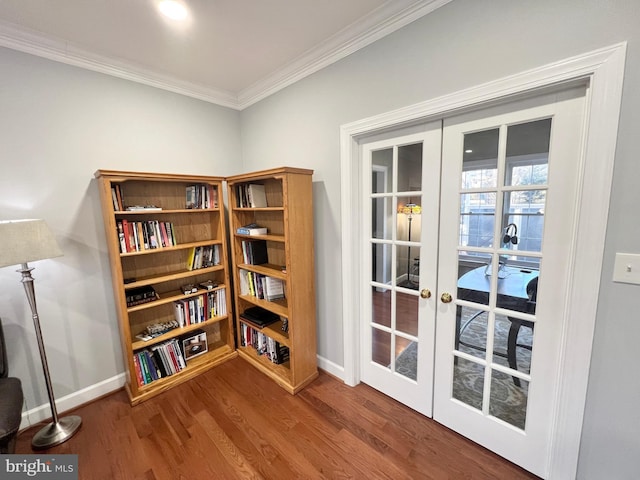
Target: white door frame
[{"x": 603, "y": 71}]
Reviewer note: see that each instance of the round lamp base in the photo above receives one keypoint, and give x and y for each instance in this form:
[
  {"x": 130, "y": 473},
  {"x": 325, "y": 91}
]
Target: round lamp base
[{"x": 56, "y": 433}]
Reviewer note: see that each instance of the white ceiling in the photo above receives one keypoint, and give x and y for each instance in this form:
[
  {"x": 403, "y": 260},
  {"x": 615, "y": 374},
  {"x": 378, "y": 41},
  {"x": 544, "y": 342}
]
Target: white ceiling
[{"x": 228, "y": 52}]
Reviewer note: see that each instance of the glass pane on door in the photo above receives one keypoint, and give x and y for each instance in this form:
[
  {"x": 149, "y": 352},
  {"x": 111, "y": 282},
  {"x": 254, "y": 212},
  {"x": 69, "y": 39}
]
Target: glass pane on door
[
  {"x": 477, "y": 219},
  {"x": 381, "y": 210},
  {"x": 382, "y": 167},
  {"x": 406, "y": 363},
  {"x": 380, "y": 347},
  {"x": 381, "y": 263},
  {"x": 407, "y": 313},
  {"x": 410, "y": 167}
]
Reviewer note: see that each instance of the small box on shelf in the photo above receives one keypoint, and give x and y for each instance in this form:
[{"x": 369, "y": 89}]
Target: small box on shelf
[{"x": 194, "y": 344}]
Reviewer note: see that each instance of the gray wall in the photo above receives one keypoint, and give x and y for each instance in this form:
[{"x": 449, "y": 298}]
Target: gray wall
[
  {"x": 463, "y": 44},
  {"x": 58, "y": 125}
]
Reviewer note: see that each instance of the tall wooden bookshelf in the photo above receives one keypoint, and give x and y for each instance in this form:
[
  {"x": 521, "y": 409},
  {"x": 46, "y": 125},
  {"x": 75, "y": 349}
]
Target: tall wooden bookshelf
[
  {"x": 288, "y": 217},
  {"x": 182, "y": 231}
]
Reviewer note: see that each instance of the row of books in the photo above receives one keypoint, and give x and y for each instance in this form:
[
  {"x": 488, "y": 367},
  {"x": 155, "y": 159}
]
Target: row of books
[
  {"x": 261, "y": 286},
  {"x": 202, "y": 196},
  {"x": 254, "y": 252},
  {"x": 201, "y": 308},
  {"x": 251, "y": 195},
  {"x": 203, "y": 257},
  {"x": 145, "y": 235},
  {"x": 158, "y": 361},
  {"x": 263, "y": 344}
]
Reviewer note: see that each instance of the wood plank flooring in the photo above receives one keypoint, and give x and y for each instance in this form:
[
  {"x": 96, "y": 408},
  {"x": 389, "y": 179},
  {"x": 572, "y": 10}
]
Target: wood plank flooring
[{"x": 234, "y": 423}]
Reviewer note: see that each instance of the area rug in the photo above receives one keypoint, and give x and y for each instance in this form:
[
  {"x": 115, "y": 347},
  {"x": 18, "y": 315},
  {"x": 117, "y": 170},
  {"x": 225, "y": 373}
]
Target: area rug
[{"x": 508, "y": 402}]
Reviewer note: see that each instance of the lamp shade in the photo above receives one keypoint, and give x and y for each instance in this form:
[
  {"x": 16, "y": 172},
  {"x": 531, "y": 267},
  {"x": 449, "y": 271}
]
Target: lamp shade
[
  {"x": 23, "y": 241},
  {"x": 410, "y": 209}
]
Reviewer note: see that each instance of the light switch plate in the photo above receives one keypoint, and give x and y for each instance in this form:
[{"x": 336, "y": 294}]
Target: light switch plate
[{"x": 627, "y": 268}]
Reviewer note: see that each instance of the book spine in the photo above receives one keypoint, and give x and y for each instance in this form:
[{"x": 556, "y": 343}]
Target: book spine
[
  {"x": 145, "y": 368},
  {"x": 138, "y": 369}
]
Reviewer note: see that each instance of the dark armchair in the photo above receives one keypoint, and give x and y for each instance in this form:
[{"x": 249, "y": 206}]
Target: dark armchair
[{"x": 10, "y": 402}]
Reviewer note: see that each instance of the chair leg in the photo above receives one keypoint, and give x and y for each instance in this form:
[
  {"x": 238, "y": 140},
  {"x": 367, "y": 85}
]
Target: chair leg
[
  {"x": 457, "y": 340},
  {"x": 511, "y": 347}
]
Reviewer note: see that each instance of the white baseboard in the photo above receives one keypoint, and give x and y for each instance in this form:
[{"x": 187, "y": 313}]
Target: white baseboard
[
  {"x": 75, "y": 399},
  {"x": 330, "y": 367}
]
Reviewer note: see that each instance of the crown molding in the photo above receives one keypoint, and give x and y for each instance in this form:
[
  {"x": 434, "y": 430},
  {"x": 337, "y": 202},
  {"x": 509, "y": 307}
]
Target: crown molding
[
  {"x": 390, "y": 17},
  {"x": 35, "y": 43},
  {"x": 383, "y": 21}
]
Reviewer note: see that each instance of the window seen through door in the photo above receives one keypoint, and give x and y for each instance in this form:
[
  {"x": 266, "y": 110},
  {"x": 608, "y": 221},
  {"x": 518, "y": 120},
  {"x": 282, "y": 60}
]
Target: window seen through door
[{"x": 521, "y": 180}]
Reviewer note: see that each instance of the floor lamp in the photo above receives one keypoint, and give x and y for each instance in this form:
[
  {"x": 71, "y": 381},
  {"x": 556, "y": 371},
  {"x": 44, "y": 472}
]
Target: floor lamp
[
  {"x": 410, "y": 209},
  {"x": 23, "y": 241}
]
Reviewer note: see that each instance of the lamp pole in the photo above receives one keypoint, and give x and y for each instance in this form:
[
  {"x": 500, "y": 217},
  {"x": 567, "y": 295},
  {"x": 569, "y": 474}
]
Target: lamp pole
[
  {"x": 410, "y": 217},
  {"x": 409, "y": 210},
  {"x": 59, "y": 430}
]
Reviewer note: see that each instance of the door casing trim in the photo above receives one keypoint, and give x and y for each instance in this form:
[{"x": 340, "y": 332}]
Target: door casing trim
[{"x": 603, "y": 72}]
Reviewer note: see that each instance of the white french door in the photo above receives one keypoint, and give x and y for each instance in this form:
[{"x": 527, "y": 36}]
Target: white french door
[
  {"x": 400, "y": 208},
  {"x": 463, "y": 318}
]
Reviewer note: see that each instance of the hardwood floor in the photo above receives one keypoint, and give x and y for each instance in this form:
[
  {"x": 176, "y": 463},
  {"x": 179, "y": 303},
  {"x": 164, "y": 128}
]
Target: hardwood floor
[
  {"x": 233, "y": 422},
  {"x": 406, "y": 321}
]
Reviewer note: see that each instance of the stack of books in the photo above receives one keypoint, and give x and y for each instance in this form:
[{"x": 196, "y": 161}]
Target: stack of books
[
  {"x": 137, "y": 296},
  {"x": 251, "y": 229},
  {"x": 258, "y": 317}
]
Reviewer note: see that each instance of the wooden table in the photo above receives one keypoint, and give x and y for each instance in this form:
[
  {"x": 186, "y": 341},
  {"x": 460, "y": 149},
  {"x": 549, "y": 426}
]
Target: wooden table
[{"x": 474, "y": 286}]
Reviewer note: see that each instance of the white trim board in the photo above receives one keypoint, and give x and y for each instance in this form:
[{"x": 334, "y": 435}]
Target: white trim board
[
  {"x": 604, "y": 71},
  {"x": 73, "y": 400}
]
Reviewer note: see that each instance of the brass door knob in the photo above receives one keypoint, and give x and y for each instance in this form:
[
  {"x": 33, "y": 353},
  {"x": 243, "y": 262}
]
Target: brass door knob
[
  {"x": 446, "y": 297},
  {"x": 425, "y": 293}
]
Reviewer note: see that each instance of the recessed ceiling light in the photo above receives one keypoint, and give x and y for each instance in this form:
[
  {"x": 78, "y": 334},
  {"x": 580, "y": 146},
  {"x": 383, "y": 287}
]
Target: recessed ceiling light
[
  {"x": 468, "y": 151},
  {"x": 173, "y": 9}
]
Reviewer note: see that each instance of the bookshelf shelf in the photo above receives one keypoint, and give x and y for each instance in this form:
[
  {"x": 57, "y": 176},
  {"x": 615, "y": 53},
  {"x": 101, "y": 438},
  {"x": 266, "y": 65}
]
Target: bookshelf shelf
[
  {"x": 164, "y": 270},
  {"x": 197, "y": 366},
  {"x": 176, "y": 332},
  {"x": 289, "y": 259},
  {"x": 181, "y": 211},
  {"x": 258, "y": 209},
  {"x": 265, "y": 269},
  {"x": 271, "y": 238},
  {"x": 276, "y": 306},
  {"x": 280, "y": 373},
  {"x": 150, "y": 280}
]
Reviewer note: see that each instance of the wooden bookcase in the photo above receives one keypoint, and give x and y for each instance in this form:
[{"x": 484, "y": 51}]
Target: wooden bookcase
[
  {"x": 165, "y": 269},
  {"x": 288, "y": 217}
]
